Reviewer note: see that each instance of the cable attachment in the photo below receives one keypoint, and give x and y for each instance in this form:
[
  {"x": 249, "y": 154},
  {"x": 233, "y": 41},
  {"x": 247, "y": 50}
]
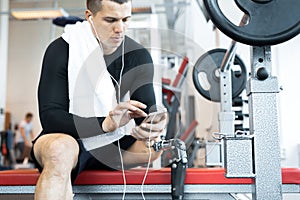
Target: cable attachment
[
  {"x": 179, "y": 164},
  {"x": 237, "y": 134},
  {"x": 219, "y": 136},
  {"x": 176, "y": 145}
]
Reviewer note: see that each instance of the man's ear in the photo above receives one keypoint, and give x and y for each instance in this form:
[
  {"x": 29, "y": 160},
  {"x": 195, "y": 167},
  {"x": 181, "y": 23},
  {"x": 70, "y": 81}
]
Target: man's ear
[{"x": 88, "y": 15}]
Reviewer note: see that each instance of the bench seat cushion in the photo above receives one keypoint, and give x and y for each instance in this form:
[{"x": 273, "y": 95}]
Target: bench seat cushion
[{"x": 162, "y": 176}]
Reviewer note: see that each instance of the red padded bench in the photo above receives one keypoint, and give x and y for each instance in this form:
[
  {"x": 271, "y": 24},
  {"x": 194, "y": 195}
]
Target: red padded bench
[
  {"x": 162, "y": 176},
  {"x": 93, "y": 182}
]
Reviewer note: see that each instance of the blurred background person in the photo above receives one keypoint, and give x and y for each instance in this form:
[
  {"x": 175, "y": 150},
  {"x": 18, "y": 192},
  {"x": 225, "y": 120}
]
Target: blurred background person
[{"x": 24, "y": 136}]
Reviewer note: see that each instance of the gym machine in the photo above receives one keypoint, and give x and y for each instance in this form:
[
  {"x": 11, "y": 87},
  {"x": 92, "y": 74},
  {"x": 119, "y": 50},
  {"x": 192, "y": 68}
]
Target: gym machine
[{"x": 257, "y": 154}]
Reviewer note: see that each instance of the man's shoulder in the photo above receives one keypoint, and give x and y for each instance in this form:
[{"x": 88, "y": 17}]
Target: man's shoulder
[
  {"x": 22, "y": 123},
  {"x": 58, "y": 48},
  {"x": 60, "y": 42}
]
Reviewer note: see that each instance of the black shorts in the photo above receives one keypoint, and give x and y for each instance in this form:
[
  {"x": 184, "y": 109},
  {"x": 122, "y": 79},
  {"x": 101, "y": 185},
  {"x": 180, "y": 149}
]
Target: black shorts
[{"x": 107, "y": 157}]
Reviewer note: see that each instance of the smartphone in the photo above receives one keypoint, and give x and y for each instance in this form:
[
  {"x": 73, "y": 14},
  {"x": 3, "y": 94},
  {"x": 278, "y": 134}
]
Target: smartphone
[{"x": 155, "y": 116}]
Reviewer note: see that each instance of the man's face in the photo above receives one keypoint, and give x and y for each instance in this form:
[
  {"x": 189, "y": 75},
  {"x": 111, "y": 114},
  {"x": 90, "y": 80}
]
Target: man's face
[
  {"x": 111, "y": 23},
  {"x": 28, "y": 119}
]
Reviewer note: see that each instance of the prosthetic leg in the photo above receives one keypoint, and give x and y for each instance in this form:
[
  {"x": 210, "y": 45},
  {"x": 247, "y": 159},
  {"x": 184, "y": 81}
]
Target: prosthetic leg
[{"x": 179, "y": 164}]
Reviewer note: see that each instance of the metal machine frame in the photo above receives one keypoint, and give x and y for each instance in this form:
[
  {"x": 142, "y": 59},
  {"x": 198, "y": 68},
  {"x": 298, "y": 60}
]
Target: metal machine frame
[{"x": 256, "y": 154}]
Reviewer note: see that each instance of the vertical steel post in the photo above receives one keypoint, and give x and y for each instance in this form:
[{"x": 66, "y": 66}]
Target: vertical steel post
[{"x": 262, "y": 91}]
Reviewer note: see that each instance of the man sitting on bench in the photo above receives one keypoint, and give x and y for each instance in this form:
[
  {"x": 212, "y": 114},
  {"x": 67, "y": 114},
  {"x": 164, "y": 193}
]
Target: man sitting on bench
[{"x": 87, "y": 122}]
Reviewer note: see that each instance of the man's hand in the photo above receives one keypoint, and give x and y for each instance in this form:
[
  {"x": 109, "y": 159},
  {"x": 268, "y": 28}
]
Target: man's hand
[
  {"x": 151, "y": 129},
  {"x": 122, "y": 114}
]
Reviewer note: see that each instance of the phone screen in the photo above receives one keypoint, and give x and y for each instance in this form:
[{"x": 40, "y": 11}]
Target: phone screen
[{"x": 155, "y": 116}]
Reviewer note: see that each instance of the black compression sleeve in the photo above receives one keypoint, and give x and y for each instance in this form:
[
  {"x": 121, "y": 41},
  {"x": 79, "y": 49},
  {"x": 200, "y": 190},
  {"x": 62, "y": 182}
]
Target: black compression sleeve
[{"x": 53, "y": 97}]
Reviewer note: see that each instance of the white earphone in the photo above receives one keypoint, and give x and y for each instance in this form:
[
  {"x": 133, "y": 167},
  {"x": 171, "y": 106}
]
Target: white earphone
[
  {"x": 94, "y": 28},
  {"x": 90, "y": 18}
]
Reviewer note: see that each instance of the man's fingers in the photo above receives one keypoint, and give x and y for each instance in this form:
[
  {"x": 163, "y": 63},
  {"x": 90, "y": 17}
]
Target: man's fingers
[
  {"x": 116, "y": 112},
  {"x": 155, "y": 126},
  {"x": 137, "y": 113},
  {"x": 132, "y": 105},
  {"x": 141, "y": 134},
  {"x": 137, "y": 104},
  {"x": 134, "y": 108}
]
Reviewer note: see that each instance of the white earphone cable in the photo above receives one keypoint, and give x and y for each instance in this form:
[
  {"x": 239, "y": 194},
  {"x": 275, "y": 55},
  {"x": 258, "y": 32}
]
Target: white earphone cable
[
  {"x": 119, "y": 147},
  {"x": 149, "y": 159},
  {"x": 118, "y": 100}
]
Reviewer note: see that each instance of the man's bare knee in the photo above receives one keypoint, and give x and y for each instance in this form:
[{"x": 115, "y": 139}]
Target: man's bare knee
[{"x": 56, "y": 151}]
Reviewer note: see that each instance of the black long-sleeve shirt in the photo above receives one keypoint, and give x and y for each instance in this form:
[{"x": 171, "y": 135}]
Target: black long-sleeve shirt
[{"x": 53, "y": 96}]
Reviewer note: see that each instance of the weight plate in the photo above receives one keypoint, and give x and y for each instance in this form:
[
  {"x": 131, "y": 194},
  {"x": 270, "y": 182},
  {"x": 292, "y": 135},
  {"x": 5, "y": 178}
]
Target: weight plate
[
  {"x": 206, "y": 78},
  {"x": 271, "y": 22}
]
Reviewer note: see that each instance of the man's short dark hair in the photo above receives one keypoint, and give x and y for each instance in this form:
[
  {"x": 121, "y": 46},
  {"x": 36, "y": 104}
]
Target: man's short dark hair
[
  {"x": 95, "y": 5},
  {"x": 29, "y": 115}
]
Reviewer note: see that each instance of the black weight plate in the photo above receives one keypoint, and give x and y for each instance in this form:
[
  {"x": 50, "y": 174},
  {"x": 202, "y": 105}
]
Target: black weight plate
[
  {"x": 205, "y": 76},
  {"x": 271, "y": 22}
]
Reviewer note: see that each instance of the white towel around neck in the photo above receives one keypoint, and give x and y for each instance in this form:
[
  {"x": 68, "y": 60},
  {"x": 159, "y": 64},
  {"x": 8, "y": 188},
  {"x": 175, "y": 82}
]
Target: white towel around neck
[{"x": 91, "y": 91}]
